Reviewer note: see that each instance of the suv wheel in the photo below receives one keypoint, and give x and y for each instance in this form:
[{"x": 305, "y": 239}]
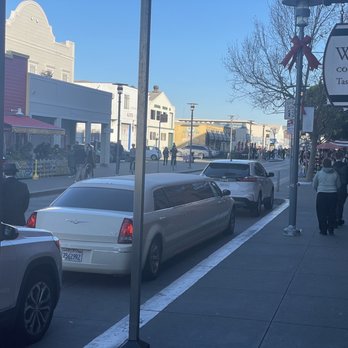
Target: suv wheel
[
  {"x": 269, "y": 201},
  {"x": 232, "y": 223},
  {"x": 257, "y": 206},
  {"x": 36, "y": 307},
  {"x": 153, "y": 260},
  {"x": 154, "y": 157}
]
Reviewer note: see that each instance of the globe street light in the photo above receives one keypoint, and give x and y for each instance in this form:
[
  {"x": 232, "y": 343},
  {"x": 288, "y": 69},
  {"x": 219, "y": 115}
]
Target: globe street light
[
  {"x": 118, "y": 145},
  {"x": 192, "y": 107}
]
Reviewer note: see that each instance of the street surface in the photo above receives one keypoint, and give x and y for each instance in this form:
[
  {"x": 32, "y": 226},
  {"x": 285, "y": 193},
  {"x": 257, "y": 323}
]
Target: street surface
[{"x": 90, "y": 303}]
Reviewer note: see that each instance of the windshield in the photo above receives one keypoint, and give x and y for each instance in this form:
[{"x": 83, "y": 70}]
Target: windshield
[
  {"x": 227, "y": 170},
  {"x": 96, "y": 198}
]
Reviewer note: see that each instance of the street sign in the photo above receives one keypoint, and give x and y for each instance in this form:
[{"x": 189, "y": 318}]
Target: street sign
[
  {"x": 335, "y": 67},
  {"x": 289, "y": 109},
  {"x": 290, "y": 126}
]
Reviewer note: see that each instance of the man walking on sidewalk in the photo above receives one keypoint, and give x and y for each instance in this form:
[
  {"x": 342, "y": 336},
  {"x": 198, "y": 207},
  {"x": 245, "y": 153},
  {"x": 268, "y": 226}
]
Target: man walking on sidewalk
[{"x": 342, "y": 170}]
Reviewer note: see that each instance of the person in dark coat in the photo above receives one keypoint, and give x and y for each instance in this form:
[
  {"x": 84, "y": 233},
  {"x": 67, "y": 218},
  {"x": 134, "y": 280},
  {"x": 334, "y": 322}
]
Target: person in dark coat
[
  {"x": 342, "y": 170},
  {"x": 15, "y": 197}
]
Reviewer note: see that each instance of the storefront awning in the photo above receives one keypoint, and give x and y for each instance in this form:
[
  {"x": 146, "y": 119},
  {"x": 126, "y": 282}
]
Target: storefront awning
[{"x": 28, "y": 125}]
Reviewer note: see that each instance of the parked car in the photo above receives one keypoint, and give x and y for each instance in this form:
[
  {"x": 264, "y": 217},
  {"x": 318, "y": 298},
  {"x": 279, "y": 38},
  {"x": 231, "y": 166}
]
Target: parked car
[
  {"x": 94, "y": 220},
  {"x": 30, "y": 281},
  {"x": 249, "y": 183},
  {"x": 199, "y": 151},
  {"x": 153, "y": 153}
]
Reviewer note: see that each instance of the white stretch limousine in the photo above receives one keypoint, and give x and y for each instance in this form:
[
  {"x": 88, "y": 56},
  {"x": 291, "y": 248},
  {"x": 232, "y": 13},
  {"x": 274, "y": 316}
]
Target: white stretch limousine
[{"x": 94, "y": 220}]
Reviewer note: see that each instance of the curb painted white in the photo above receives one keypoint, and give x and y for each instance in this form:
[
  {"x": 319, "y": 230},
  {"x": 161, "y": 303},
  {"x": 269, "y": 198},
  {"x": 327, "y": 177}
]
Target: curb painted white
[{"x": 118, "y": 333}]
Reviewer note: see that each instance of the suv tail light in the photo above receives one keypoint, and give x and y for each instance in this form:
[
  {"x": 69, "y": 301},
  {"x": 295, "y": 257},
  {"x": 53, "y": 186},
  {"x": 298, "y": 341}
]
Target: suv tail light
[
  {"x": 125, "y": 235},
  {"x": 247, "y": 179},
  {"x": 31, "y": 222}
]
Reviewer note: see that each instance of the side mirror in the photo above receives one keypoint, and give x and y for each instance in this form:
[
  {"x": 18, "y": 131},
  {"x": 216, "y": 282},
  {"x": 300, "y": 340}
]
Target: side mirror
[
  {"x": 226, "y": 192},
  {"x": 270, "y": 174},
  {"x": 8, "y": 232}
]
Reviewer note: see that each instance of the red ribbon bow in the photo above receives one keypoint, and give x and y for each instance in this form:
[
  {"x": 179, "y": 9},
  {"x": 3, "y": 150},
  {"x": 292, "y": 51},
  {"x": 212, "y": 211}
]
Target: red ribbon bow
[{"x": 307, "y": 51}]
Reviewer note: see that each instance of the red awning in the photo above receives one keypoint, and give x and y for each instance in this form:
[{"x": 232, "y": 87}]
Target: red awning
[{"x": 28, "y": 125}]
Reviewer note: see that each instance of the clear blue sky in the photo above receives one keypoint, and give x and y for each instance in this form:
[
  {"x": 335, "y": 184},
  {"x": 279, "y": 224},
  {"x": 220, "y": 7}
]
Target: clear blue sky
[{"x": 189, "y": 39}]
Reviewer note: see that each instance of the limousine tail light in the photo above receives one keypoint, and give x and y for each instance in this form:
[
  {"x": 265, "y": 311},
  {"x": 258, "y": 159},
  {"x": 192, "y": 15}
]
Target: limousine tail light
[
  {"x": 126, "y": 232},
  {"x": 247, "y": 179},
  {"x": 31, "y": 222}
]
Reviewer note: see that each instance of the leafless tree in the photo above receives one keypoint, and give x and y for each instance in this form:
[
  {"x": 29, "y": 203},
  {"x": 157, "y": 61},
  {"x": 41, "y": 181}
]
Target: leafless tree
[{"x": 254, "y": 64}]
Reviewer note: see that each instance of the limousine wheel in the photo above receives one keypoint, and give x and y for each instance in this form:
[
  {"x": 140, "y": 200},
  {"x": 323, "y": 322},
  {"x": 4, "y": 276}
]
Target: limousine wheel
[
  {"x": 153, "y": 260},
  {"x": 232, "y": 223}
]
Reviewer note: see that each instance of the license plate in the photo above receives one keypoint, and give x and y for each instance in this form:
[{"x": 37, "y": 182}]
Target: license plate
[{"x": 72, "y": 255}]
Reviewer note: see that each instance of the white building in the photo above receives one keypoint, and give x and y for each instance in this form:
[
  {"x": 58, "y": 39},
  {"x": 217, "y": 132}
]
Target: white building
[
  {"x": 161, "y": 120},
  {"x": 29, "y": 32}
]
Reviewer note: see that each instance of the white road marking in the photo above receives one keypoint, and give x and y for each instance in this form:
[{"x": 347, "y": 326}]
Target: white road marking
[{"x": 118, "y": 333}]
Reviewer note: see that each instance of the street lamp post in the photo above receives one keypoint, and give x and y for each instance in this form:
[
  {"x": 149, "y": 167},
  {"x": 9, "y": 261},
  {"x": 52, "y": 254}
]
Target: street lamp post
[
  {"x": 249, "y": 150},
  {"x": 159, "y": 141},
  {"x": 192, "y": 107},
  {"x": 231, "y": 136},
  {"x": 302, "y": 13},
  {"x": 118, "y": 159}
]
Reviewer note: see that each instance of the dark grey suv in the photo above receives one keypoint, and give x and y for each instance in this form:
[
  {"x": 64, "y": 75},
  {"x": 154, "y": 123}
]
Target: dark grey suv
[{"x": 30, "y": 281}]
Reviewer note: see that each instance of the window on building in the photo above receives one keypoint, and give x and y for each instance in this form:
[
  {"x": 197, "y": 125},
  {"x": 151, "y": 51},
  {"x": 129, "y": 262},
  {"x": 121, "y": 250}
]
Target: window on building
[
  {"x": 126, "y": 101},
  {"x": 153, "y": 115},
  {"x": 164, "y": 136},
  {"x": 65, "y": 76},
  {"x": 33, "y": 68},
  {"x": 153, "y": 136},
  {"x": 158, "y": 115},
  {"x": 164, "y": 118}
]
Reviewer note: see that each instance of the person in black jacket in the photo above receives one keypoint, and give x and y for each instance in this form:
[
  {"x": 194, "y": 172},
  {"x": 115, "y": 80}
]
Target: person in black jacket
[
  {"x": 15, "y": 197},
  {"x": 342, "y": 170}
]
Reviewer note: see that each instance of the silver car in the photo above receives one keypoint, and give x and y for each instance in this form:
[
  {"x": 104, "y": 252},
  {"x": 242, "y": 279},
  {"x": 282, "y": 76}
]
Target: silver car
[
  {"x": 30, "y": 281},
  {"x": 94, "y": 220},
  {"x": 250, "y": 184}
]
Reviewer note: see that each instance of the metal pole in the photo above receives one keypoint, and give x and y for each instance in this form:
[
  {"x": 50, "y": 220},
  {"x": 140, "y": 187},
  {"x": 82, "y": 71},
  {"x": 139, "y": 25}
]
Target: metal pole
[
  {"x": 2, "y": 94},
  {"x": 249, "y": 152},
  {"x": 159, "y": 142},
  {"x": 231, "y": 135},
  {"x": 138, "y": 215},
  {"x": 118, "y": 159},
  {"x": 191, "y": 130},
  {"x": 291, "y": 230}
]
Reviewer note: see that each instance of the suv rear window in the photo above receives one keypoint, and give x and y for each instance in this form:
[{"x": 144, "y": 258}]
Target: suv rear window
[
  {"x": 96, "y": 198},
  {"x": 227, "y": 170}
]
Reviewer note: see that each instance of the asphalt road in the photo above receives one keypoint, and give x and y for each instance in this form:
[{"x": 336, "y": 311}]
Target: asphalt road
[{"x": 90, "y": 303}]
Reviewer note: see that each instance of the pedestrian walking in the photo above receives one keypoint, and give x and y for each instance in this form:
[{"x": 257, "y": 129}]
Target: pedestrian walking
[
  {"x": 90, "y": 162},
  {"x": 71, "y": 161},
  {"x": 326, "y": 182},
  {"x": 165, "y": 155},
  {"x": 173, "y": 153},
  {"x": 132, "y": 153},
  {"x": 80, "y": 160},
  {"x": 342, "y": 170},
  {"x": 15, "y": 197},
  {"x": 118, "y": 155}
]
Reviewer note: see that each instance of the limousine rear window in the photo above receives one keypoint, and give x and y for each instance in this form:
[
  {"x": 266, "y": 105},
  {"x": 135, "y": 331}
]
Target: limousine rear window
[{"x": 96, "y": 198}]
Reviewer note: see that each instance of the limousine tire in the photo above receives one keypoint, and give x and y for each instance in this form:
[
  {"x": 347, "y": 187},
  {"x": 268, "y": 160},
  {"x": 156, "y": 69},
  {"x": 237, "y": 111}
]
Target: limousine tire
[
  {"x": 232, "y": 223},
  {"x": 153, "y": 260}
]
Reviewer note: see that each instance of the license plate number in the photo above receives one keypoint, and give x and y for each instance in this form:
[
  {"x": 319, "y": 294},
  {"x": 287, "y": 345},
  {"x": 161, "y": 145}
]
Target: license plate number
[{"x": 72, "y": 255}]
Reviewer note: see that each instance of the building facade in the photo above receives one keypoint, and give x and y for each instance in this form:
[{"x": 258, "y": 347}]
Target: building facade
[{"x": 29, "y": 32}]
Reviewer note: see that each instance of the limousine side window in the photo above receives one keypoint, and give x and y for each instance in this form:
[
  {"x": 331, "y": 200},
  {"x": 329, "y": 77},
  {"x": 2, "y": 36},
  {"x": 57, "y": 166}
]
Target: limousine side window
[
  {"x": 216, "y": 189},
  {"x": 202, "y": 190},
  {"x": 160, "y": 200}
]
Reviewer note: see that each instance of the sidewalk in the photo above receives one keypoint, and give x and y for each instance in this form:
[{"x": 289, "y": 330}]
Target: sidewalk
[
  {"x": 273, "y": 291},
  {"x": 269, "y": 291},
  {"x": 57, "y": 184}
]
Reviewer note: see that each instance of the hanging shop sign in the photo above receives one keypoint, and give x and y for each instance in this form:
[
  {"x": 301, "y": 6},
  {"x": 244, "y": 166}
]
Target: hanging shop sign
[{"x": 336, "y": 65}]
